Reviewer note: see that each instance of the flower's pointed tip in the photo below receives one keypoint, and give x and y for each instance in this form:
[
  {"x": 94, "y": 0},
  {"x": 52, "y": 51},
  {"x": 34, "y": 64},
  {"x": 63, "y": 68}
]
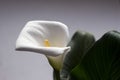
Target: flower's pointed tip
[
  {"x": 59, "y": 51},
  {"x": 67, "y": 49}
]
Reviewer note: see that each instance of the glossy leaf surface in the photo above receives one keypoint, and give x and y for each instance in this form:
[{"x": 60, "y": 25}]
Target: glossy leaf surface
[
  {"x": 80, "y": 43},
  {"x": 102, "y": 62}
]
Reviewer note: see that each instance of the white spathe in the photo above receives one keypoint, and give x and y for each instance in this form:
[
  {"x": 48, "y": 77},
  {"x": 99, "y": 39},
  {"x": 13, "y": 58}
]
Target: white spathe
[{"x": 34, "y": 34}]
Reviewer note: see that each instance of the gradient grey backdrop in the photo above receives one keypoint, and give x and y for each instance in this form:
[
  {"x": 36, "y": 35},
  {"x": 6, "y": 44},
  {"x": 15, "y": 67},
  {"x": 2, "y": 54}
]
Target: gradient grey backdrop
[{"x": 94, "y": 16}]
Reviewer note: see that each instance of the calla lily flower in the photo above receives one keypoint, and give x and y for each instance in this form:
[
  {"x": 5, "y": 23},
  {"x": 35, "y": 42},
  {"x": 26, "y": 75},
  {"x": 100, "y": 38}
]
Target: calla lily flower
[{"x": 45, "y": 37}]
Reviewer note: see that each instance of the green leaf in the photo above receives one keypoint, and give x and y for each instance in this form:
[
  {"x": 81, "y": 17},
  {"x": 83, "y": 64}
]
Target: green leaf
[
  {"x": 102, "y": 62},
  {"x": 80, "y": 43}
]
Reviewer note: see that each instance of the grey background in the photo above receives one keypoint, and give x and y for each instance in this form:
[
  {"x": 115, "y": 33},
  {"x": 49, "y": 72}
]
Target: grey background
[{"x": 94, "y": 16}]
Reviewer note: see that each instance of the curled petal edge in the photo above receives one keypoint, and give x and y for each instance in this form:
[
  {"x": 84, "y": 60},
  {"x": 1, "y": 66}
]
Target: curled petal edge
[{"x": 51, "y": 51}]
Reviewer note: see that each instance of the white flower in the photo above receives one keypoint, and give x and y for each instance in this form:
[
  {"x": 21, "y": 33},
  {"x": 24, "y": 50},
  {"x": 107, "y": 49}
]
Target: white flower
[{"x": 45, "y": 37}]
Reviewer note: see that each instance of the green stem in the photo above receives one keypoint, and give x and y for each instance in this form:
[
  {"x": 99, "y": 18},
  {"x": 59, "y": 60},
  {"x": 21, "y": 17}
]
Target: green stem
[{"x": 56, "y": 75}]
